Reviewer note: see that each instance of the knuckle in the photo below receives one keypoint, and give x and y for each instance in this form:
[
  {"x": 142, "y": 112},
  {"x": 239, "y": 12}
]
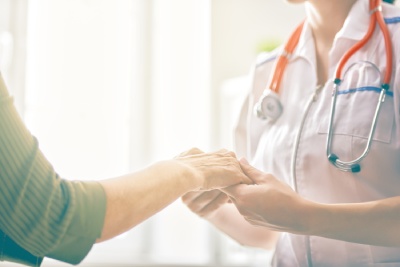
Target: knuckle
[
  {"x": 226, "y": 152},
  {"x": 232, "y": 154},
  {"x": 191, "y": 151},
  {"x": 196, "y": 150}
]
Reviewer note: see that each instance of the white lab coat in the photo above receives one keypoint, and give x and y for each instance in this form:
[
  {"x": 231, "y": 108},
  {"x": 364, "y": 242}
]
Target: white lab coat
[{"x": 269, "y": 146}]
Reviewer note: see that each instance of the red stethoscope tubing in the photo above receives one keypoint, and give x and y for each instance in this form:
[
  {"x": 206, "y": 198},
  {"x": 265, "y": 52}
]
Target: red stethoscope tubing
[
  {"x": 376, "y": 18},
  {"x": 388, "y": 46},
  {"x": 283, "y": 59}
]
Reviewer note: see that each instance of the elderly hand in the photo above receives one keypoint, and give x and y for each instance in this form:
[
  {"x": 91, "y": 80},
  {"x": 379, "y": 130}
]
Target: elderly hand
[
  {"x": 205, "y": 203},
  {"x": 269, "y": 202},
  {"x": 213, "y": 170}
]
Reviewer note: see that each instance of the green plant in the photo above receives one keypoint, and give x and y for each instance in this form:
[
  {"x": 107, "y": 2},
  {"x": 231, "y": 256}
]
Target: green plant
[{"x": 268, "y": 45}]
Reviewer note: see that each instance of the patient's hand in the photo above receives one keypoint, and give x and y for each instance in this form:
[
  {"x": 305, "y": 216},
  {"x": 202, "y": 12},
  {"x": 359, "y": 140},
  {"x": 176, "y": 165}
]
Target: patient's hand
[
  {"x": 205, "y": 203},
  {"x": 213, "y": 170}
]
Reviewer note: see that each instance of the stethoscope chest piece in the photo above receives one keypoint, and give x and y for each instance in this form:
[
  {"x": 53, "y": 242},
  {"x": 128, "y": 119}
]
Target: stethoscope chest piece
[{"x": 269, "y": 107}]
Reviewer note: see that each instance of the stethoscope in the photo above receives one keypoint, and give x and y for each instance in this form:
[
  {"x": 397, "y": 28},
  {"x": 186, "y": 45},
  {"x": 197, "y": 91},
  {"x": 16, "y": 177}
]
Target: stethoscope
[{"x": 270, "y": 108}]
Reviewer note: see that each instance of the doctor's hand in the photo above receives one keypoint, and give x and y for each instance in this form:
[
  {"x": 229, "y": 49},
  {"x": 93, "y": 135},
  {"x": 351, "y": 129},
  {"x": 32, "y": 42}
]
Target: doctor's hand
[
  {"x": 269, "y": 202},
  {"x": 212, "y": 170}
]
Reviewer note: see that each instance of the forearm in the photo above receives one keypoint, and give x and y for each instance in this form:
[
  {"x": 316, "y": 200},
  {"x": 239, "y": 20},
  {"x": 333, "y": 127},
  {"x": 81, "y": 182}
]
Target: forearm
[
  {"x": 135, "y": 197},
  {"x": 228, "y": 219},
  {"x": 373, "y": 223}
]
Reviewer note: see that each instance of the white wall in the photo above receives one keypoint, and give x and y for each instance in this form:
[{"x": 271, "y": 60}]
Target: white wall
[
  {"x": 13, "y": 47},
  {"x": 113, "y": 86},
  {"x": 78, "y": 85}
]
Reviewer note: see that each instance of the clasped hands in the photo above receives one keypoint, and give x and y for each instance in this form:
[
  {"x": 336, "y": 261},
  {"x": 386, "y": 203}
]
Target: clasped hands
[{"x": 261, "y": 199}]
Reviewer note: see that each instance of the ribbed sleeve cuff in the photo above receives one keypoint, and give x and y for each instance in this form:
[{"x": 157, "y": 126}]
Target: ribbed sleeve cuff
[{"x": 86, "y": 225}]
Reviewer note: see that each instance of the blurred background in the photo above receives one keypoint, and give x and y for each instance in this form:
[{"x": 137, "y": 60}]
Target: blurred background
[{"x": 109, "y": 86}]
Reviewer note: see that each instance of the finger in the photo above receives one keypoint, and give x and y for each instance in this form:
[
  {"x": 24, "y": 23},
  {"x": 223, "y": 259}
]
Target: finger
[
  {"x": 222, "y": 151},
  {"x": 225, "y": 152},
  {"x": 254, "y": 174},
  {"x": 234, "y": 191},
  {"x": 230, "y": 154},
  {"x": 201, "y": 201},
  {"x": 217, "y": 202},
  {"x": 232, "y": 200},
  {"x": 244, "y": 178},
  {"x": 189, "y": 197},
  {"x": 192, "y": 151},
  {"x": 206, "y": 197},
  {"x": 247, "y": 180}
]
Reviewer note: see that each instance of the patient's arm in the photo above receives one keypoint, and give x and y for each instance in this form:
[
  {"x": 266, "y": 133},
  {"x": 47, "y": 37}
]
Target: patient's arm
[{"x": 135, "y": 197}]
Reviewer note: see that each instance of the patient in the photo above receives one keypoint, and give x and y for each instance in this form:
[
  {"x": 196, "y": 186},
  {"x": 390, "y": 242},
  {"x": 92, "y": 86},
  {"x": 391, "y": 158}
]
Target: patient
[{"x": 43, "y": 215}]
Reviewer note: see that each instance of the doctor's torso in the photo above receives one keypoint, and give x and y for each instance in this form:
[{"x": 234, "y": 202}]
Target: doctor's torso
[{"x": 293, "y": 147}]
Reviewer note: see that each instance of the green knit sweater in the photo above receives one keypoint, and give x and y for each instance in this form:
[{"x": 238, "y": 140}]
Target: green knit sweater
[{"x": 41, "y": 215}]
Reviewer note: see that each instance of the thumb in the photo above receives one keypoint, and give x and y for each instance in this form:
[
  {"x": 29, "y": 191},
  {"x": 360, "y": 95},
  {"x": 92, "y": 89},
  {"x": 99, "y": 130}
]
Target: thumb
[{"x": 254, "y": 174}]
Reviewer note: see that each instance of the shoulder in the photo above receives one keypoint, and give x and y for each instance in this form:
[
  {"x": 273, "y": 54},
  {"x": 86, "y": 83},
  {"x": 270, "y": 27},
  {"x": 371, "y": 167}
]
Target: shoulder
[
  {"x": 263, "y": 66},
  {"x": 262, "y": 69},
  {"x": 267, "y": 58}
]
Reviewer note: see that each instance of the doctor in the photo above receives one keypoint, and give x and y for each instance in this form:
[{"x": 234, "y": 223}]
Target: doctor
[{"x": 330, "y": 212}]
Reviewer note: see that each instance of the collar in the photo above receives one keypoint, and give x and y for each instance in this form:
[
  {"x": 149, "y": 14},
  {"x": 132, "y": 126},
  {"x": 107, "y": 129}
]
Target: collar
[
  {"x": 357, "y": 22},
  {"x": 306, "y": 47},
  {"x": 354, "y": 28}
]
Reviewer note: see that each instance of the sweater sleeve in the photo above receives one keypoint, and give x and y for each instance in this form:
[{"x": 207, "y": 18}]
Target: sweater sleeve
[{"x": 39, "y": 211}]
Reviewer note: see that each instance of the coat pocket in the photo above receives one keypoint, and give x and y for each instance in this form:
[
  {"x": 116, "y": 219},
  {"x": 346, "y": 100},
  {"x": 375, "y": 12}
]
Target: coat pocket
[{"x": 355, "y": 112}]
